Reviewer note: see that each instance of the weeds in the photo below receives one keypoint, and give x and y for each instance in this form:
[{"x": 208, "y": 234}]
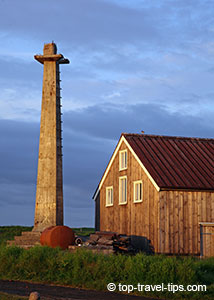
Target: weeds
[
  {"x": 8, "y": 232},
  {"x": 88, "y": 270}
]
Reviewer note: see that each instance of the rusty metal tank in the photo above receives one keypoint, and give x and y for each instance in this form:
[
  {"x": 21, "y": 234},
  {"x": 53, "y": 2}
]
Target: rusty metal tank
[{"x": 57, "y": 236}]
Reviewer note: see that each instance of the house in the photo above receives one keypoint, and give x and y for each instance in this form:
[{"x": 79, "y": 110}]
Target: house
[{"x": 159, "y": 188}]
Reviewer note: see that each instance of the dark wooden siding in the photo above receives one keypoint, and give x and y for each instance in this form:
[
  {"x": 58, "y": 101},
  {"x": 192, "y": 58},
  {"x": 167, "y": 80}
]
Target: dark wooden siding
[
  {"x": 140, "y": 219},
  {"x": 180, "y": 215},
  {"x": 169, "y": 218}
]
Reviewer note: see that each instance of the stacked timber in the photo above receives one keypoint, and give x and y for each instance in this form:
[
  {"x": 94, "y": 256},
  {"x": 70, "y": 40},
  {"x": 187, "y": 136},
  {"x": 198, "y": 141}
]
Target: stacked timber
[
  {"x": 122, "y": 244},
  {"x": 110, "y": 242}
]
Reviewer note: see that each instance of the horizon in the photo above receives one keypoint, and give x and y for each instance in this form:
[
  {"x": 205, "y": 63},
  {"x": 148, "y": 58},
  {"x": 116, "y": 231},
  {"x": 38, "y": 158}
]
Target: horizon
[{"x": 134, "y": 65}]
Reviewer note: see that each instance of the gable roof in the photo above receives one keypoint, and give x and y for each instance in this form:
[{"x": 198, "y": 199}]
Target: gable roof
[
  {"x": 171, "y": 162},
  {"x": 176, "y": 162}
]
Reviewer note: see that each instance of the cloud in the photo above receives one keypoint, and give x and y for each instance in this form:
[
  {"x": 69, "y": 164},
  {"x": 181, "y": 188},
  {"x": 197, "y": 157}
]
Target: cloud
[
  {"x": 18, "y": 152},
  {"x": 17, "y": 194},
  {"x": 19, "y": 155},
  {"x": 89, "y": 138},
  {"x": 20, "y": 89},
  {"x": 144, "y": 51},
  {"x": 102, "y": 23},
  {"x": 81, "y": 24},
  {"x": 108, "y": 121},
  {"x": 135, "y": 65}
]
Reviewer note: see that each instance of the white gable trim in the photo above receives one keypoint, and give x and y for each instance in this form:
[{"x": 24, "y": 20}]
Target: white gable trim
[
  {"x": 122, "y": 139},
  {"x": 142, "y": 165}
]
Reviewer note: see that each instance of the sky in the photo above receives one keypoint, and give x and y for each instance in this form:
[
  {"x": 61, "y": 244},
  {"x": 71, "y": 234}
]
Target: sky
[{"x": 134, "y": 65}]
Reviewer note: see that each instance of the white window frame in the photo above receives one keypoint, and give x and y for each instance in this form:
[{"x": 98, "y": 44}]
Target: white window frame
[
  {"x": 135, "y": 186},
  {"x": 109, "y": 203},
  {"x": 121, "y": 153},
  {"x": 120, "y": 195}
]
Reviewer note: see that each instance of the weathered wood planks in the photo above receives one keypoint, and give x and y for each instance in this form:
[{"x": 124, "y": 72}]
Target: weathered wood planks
[{"x": 168, "y": 219}]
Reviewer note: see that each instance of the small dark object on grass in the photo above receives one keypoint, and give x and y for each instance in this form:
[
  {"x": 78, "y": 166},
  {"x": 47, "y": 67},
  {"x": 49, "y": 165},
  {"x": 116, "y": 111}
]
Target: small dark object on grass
[{"x": 78, "y": 241}]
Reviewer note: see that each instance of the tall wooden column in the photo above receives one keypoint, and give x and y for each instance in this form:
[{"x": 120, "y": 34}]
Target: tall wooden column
[{"x": 49, "y": 192}]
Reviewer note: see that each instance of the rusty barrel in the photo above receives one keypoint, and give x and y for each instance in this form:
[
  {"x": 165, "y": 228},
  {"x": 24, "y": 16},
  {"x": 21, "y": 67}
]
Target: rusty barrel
[{"x": 57, "y": 236}]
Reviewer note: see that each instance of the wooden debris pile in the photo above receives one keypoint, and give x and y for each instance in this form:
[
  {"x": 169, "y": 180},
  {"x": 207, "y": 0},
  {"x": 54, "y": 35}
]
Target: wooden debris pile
[{"x": 110, "y": 242}]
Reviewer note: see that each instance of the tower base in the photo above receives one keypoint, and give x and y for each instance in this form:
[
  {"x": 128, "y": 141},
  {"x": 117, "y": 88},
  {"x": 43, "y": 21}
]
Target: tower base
[{"x": 27, "y": 240}]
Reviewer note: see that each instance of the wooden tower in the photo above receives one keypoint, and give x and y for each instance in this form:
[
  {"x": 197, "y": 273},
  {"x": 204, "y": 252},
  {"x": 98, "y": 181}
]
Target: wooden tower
[{"x": 49, "y": 192}]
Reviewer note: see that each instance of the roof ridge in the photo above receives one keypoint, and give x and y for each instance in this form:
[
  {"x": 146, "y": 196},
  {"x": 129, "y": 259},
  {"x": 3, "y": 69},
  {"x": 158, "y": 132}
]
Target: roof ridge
[{"x": 168, "y": 137}]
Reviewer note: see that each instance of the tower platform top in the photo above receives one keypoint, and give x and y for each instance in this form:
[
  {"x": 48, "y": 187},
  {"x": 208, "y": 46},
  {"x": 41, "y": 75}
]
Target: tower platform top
[{"x": 50, "y": 54}]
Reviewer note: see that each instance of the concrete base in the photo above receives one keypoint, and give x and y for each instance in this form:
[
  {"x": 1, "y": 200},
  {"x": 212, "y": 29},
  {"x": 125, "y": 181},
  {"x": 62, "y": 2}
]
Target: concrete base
[{"x": 27, "y": 240}]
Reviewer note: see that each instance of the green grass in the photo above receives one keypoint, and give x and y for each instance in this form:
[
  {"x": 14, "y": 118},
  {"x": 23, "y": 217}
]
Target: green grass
[
  {"x": 84, "y": 231},
  {"x": 8, "y": 232},
  {"x": 85, "y": 269}
]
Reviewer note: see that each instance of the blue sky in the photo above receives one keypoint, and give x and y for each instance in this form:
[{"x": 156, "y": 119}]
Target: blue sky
[{"x": 134, "y": 65}]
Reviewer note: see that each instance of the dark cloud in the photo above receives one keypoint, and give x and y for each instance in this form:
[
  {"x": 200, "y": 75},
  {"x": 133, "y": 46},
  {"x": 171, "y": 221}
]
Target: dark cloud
[
  {"x": 90, "y": 136},
  {"x": 17, "y": 214},
  {"x": 150, "y": 60},
  {"x": 18, "y": 151},
  {"x": 18, "y": 160},
  {"x": 108, "y": 121}
]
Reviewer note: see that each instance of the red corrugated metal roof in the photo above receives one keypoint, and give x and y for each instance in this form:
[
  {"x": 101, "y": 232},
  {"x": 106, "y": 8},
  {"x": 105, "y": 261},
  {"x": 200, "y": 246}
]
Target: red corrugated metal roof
[{"x": 176, "y": 162}]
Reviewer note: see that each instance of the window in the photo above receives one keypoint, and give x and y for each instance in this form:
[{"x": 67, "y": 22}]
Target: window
[
  {"x": 109, "y": 196},
  {"x": 123, "y": 190},
  {"x": 123, "y": 160},
  {"x": 138, "y": 191}
]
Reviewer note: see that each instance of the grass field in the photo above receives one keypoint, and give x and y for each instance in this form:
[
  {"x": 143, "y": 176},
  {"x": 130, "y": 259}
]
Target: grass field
[
  {"x": 8, "y": 232},
  {"x": 84, "y": 231},
  {"x": 85, "y": 269}
]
